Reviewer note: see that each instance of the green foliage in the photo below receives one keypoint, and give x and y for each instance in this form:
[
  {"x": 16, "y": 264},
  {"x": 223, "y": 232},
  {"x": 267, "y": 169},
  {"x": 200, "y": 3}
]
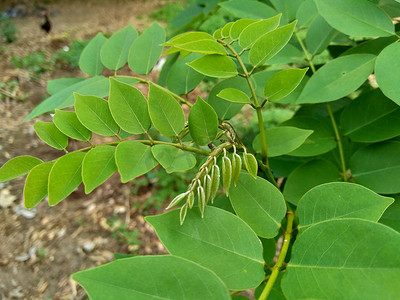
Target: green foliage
[
  {"x": 8, "y": 30},
  {"x": 36, "y": 63},
  {"x": 313, "y": 121},
  {"x": 123, "y": 235},
  {"x": 69, "y": 57}
]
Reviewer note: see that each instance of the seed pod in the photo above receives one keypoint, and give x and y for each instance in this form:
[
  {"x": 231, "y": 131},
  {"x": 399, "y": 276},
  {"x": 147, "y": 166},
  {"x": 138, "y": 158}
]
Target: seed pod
[
  {"x": 226, "y": 173},
  {"x": 190, "y": 199},
  {"x": 250, "y": 163},
  {"x": 201, "y": 196},
  {"x": 215, "y": 175},
  {"x": 207, "y": 187},
  {"x": 183, "y": 212},
  {"x": 236, "y": 168},
  {"x": 176, "y": 200}
]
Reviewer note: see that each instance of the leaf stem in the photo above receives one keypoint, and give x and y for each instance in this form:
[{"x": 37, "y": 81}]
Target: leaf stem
[
  {"x": 281, "y": 259},
  {"x": 329, "y": 108},
  {"x": 177, "y": 97}
]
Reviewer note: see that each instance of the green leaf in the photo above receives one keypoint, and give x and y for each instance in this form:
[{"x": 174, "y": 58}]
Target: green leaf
[
  {"x": 248, "y": 9},
  {"x": 270, "y": 44},
  {"x": 355, "y": 259},
  {"x": 283, "y": 83},
  {"x": 338, "y": 78},
  {"x": 133, "y": 159},
  {"x": 214, "y": 66},
  {"x": 282, "y": 140},
  {"x": 94, "y": 114},
  {"x": 287, "y": 7},
  {"x": 360, "y": 18},
  {"x": 306, "y": 13},
  {"x": 36, "y": 184},
  {"x": 259, "y": 203},
  {"x": 65, "y": 176},
  {"x": 114, "y": 53},
  {"x": 322, "y": 139},
  {"x": 67, "y": 122},
  {"x": 146, "y": 50},
  {"x": 227, "y": 29},
  {"x": 338, "y": 200},
  {"x": 18, "y": 166},
  {"x": 151, "y": 277},
  {"x": 173, "y": 159},
  {"x": 51, "y": 135},
  {"x": 182, "y": 79},
  {"x": 128, "y": 107},
  {"x": 97, "y": 166},
  {"x": 199, "y": 42},
  {"x": 169, "y": 62},
  {"x": 253, "y": 31},
  {"x": 307, "y": 176},
  {"x": 165, "y": 112},
  {"x": 96, "y": 86},
  {"x": 90, "y": 61},
  {"x": 371, "y": 118},
  {"x": 387, "y": 72},
  {"x": 226, "y": 109},
  {"x": 377, "y": 167},
  {"x": 288, "y": 54},
  {"x": 373, "y": 46},
  {"x": 319, "y": 35},
  {"x": 234, "y": 95},
  {"x": 391, "y": 216},
  {"x": 56, "y": 85},
  {"x": 220, "y": 241},
  {"x": 238, "y": 27},
  {"x": 203, "y": 122}
]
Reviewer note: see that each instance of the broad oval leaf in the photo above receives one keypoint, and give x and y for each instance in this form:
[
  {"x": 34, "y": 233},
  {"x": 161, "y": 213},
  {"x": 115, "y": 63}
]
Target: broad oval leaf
[
  {"x": 360, "y": 18},
  {"x": 199, "y": 42},
  {"x": 146, "y": 50},
  {"x": 338, "y": 200},
  {"x": 128, "y": 107},
  {"x": 18, "y": 166},
  {"x": 356, "y": 258},
  {"x": 338, "y": 78},
  {"x": 239, "y": 26},
  {"x": 253, "y": 31},
  {"x": 220, "y": 241},
  {"x": 322, "y": 139},
  {"x": 173, "y": 159},
  {"x": 93, "y": 112},
  {"x": 97, "y": 166},
  {"x": 377, "y": 167},
  {"x": 133, "y": 159},
  {"x": 248, "y": 9},
  {"x": 226, "y": 109},
  {"x": 307, "y": 176},
  {"x": 182, "y": 79},
  {"x": 152, "y": 277},
  {"x": 214, "y": 65},
  {"x": 371, "y": 118},
  {"x": 270, "y": 44},
  {"x": 283, "y": 83},
  {"x": 259, "y": 203},
  {"x": 67, "y": 122},
  {"x": 51, "y": 135},
  {"x": 65, "y": 176},
  {"x": 203, "y": 122},
  {"x": 282, "y": 140},
  {"x": 387, "y": 72},
  {"x": 36, "y": 184},
  {"x": 114, "y": 53},
  {"x": 90, "y": 61},
  {"x": 234, "y": 95},
  {"x": 165, "y": 112}
]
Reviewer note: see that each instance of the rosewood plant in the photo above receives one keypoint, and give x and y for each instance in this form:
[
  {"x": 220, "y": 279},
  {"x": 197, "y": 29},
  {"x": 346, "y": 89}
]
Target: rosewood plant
[{"x": 335, "y": 212}]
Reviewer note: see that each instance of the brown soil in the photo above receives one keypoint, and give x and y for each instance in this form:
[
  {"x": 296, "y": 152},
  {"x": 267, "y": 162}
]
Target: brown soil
[{"x": 41, "y": 248}]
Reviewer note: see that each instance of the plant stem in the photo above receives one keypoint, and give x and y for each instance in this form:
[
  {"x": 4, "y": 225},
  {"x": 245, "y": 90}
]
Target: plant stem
[
  {"x": 264, "y": 147},
  {"x": 329, "y": 108},
  {"x": 338, "y": 140},
  {"x": 142, "y": 80},
  {"x": 281, "y": 258}
]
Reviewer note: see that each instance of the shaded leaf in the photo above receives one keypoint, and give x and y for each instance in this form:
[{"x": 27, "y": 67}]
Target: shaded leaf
[
  {"x": 173, "y": 159},
  {"x": 391, "y": 216},
  {"x": 259, "y": 203},
  {"x": 248, "y": 9},
  {"x": 56, "y": 85},
  {"x": 203, "y": 122},
  {"x": 319, "y": 35}
]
